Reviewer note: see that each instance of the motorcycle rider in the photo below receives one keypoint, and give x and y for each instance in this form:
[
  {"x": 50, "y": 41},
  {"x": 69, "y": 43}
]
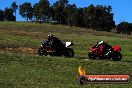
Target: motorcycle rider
[
  {"x": 104, "y": 48},
  {"x": 55, "y": 43}
]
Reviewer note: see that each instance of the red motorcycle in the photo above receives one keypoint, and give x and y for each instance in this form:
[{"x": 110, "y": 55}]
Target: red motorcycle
[{"x": 105, "y": 51}]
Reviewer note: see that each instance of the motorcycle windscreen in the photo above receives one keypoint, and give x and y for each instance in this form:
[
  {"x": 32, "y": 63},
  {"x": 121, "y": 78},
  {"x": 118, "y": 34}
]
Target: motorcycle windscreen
[{"x": 68, "y": 44}]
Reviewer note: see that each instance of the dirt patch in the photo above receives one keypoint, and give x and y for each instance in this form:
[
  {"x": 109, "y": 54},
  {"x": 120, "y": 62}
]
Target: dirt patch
[
  {"x": 24, "y": 50},
  {"x": 23, "y": 33}
]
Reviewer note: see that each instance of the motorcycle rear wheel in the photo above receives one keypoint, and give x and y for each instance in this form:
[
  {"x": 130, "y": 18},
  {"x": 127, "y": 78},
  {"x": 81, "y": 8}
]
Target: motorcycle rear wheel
[
  {"x": 116, "y": 56},
  {"x": 68, "y": 53}
]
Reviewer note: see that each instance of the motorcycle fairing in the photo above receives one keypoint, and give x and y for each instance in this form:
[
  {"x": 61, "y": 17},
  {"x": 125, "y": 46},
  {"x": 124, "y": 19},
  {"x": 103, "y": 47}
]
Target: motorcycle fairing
[{"x": 68, "y": 44}]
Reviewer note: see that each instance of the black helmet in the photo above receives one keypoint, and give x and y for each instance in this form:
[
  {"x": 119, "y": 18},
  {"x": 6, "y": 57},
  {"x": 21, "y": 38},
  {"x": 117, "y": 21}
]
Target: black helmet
[{"x": 50, "y": 36}]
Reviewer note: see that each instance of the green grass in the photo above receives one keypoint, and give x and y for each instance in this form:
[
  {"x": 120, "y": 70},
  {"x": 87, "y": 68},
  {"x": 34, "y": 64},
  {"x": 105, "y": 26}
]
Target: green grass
[{"x": 22, "y": 69}]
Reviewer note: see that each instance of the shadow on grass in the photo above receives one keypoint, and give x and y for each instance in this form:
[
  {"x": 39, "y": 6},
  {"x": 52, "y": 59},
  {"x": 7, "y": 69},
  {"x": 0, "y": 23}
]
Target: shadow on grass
[
  {"x": 129, "y": 61},
  {"x": 87, "y": 58},
  {"x": 81, "y": 58}
]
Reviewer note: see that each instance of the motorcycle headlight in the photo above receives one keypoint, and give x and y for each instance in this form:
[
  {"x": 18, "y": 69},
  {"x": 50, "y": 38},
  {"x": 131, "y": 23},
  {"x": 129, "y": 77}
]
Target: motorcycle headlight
[{"x": 41, "y": 45}]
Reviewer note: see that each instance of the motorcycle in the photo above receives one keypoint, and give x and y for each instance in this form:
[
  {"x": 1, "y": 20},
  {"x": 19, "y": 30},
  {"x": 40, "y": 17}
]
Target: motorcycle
[
  {"x": 46, "y": 49},
  {"x": 111, "y": 52}
]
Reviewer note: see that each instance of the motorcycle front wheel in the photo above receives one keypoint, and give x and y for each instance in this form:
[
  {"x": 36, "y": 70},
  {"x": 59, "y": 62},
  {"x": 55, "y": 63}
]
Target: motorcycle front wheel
[
  {"x": 42, "y": 52},
  {"x": 92, "y": 56}
]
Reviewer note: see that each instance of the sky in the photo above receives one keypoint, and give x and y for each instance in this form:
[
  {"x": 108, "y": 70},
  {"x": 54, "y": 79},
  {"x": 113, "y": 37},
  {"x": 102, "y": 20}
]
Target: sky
[{"x": 122, "y": 9}]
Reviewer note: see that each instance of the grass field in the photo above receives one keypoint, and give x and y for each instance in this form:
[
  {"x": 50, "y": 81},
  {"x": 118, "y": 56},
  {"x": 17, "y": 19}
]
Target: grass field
[{"x": 21, "y": 68}]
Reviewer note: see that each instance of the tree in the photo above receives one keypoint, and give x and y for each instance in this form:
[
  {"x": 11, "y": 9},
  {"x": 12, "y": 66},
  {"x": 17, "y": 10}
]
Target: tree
[
  {"x": 1, "y": 15},
  {"x": 59, "y": 13},
  {"x": 78, "y": 18},
  {"x": 71, "y": 14},
  {"x": 8, "y": 15},
  {"x": 44, "y": 8},
  {"x": 124, "y": 28},
  {"x": 26, "y": 10},
  {"x": 63, "y": 3},
  {"x": 14, "y": 6},
  {"x": 36, "y": 13},
  {"x": 51, "y": 12},
  {"x": 98, "y": 17},
  {"x": 41, "y": 10},
  {"x": 89, "y": 17}
]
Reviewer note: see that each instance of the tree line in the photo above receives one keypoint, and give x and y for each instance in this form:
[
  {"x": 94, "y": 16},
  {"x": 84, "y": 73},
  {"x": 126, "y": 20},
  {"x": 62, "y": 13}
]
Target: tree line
[
  {"x": 9, "y": 14},
  {"x": 97, "y": 17}
]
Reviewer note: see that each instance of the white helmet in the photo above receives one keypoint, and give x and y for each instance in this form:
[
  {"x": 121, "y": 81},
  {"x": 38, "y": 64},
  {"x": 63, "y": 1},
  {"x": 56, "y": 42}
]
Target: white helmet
[{"x": 101, "y": 42}]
